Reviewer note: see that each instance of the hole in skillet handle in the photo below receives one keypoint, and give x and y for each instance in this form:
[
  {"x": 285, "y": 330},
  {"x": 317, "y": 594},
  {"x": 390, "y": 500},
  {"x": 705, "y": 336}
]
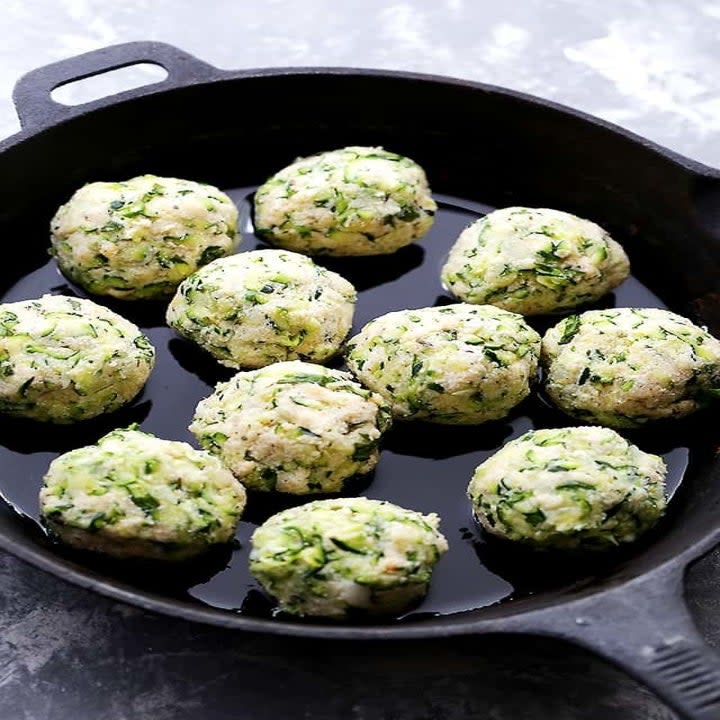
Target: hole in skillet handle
[
  {"x": 38, "y": 107},
  {"x": 111, "y": 82}
]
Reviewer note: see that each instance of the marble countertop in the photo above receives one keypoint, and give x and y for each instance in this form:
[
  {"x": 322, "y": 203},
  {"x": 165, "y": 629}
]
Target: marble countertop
[{"x": 649, "y": 65}]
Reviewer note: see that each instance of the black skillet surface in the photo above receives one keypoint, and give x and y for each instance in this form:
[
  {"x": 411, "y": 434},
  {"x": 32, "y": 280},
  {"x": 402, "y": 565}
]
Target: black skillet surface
[
  {"x": 423, "y": 466},
  {"x": 480, "y": 144}
]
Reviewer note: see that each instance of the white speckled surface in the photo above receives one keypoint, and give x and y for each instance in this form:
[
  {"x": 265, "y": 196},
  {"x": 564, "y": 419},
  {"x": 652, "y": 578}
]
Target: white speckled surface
[{"x": 650, "y": 65}]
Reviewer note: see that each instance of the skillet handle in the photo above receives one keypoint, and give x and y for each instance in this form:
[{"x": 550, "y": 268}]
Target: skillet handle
[
  {"x": 645, "y": 628},
  {"x": 36, "y": 109}
]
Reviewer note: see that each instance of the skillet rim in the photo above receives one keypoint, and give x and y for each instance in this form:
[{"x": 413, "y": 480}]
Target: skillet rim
[{"x": 212, "y": 75}]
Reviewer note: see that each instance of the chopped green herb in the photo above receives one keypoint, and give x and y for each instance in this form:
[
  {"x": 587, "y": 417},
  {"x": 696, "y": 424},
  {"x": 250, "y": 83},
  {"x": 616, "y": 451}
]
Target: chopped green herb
[
  {"x": 213, "y": 252},
  {"x": 571, "y": 325}
]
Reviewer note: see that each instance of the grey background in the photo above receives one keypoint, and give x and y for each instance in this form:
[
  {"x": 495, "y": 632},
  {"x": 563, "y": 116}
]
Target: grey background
[{"x": 651, "y": 66}]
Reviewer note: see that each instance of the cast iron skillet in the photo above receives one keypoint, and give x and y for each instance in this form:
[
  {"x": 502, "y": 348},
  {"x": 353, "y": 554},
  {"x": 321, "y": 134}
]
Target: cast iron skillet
[{"x": 483, "y": 147}]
